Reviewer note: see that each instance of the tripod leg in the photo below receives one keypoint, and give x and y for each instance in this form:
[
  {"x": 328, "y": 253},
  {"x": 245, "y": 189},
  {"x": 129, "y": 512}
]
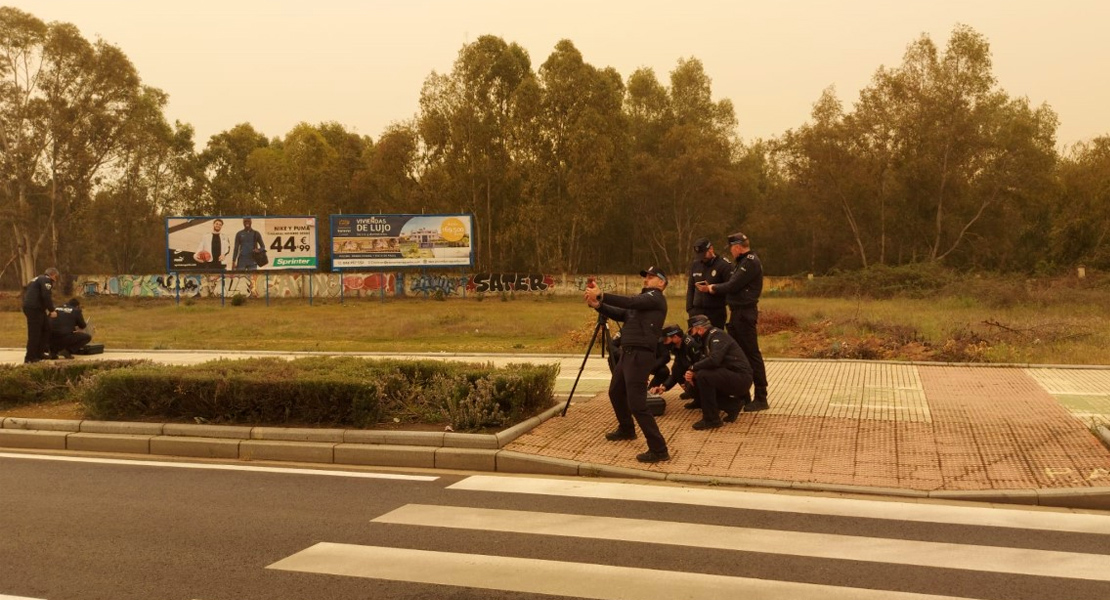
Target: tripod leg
[{"x": 600, "y": 327}]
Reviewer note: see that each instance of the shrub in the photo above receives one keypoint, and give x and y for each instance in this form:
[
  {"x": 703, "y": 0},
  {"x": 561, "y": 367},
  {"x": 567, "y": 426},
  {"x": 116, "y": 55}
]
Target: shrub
[
  {"x": 42, "y": 382},
  {"x": 880, "y": 281},
  {"x": 334, "y": 391},
  {"x": 238, "y": 300}
]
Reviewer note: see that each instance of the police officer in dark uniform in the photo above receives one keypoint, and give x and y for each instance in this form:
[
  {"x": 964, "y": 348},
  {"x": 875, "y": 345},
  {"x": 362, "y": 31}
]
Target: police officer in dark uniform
[
  {"x": 686, "y": 351},
  {"x": 38, "y": 307},
  {"x": 710, "y": 268},
  {"x": 659, "y": 371},
  {"x": 742, "y": 292},
  {"x": 718, "y": 375},
  {"x": 643, "y": 315},
  {"x": 67, "y": 330}
]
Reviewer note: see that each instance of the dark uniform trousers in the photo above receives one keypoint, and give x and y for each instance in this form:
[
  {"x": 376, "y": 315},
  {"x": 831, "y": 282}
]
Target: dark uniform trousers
[
  {"x": 68, "y": 341},
  {"x": 628, "y": 395},
  {"x": 741, "y": 327},
  {"x": 718, "y": 390},
  {"x": 38, "y": 334}
]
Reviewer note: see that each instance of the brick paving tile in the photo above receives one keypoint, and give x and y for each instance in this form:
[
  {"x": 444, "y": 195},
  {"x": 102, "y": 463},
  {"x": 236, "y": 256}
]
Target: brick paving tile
[{"x": 923, "y": 427}]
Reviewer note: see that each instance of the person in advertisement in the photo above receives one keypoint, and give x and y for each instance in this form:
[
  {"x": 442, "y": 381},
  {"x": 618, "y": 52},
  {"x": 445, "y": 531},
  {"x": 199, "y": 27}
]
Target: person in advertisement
[
  {"x": 214, "y": 247},
  {"x": 247, "y": 242}
]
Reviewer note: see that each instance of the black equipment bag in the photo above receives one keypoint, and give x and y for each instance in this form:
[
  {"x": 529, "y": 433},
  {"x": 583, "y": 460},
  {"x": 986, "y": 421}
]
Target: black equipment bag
[
  {"x": 90, "y": 349},
  {"x": 656, "y": 405}
]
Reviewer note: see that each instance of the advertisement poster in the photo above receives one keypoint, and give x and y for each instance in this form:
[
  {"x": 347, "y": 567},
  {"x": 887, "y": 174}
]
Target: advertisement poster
[
  {"x": 391, "y": 241},
  {"x": 214, "y": 244}
]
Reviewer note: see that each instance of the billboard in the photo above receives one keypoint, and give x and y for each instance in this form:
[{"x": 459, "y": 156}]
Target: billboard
[
  {"x": 361, "y": 241},
  {"x": 213, "y": 244}
]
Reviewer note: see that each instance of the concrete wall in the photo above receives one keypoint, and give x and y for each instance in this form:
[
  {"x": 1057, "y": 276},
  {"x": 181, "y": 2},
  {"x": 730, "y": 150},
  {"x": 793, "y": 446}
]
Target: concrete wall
[{"x": 394, "y": 284}]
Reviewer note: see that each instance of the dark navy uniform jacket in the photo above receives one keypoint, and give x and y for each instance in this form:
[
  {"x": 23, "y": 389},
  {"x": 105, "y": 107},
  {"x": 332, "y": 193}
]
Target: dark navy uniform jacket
[
  {"x": 746, "y": 283},
  {"x": 39, "y": 294},
  {"x": 642, "y": 315},
  {"x": 721, "y": 351},
  {"x": 68, "y": 320},
  {"x": 717, "y": 270}
]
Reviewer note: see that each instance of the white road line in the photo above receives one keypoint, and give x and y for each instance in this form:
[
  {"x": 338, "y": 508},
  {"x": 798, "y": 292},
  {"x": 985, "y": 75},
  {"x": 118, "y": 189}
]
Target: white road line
[
  {"x": 990, "y": 559},
  {"x": 217, "y": 467},
  {"x": 3, "y": 597},
  {"x": 1014, "y": 518},
  {"x": 577, "y": 580}
]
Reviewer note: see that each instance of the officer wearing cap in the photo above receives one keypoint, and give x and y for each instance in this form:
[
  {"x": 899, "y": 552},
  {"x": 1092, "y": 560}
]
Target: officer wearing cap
[
  {"x": 38, "y": 307},
  {"x": 67, "y": 330},
  {"x": 686, "y": 352},
  {"x": 742, "y": 292},
  {"x": 723, "y": 370},
  {"x": 710, "y": 268},
  {"x": 643, "y": 315}
]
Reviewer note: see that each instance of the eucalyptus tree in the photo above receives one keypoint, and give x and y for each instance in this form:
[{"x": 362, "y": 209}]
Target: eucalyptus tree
[
  {"x": 1080, "y": 225},
  {"x": 683, "y": 166},
  {"x": 574, "y": 166},
  {"x": 464, "y": 123},
  {"x": 935, "y": 163},
  {"x": 64, "y": 110},
  {"x": 965, "y": 151},
  {"x": 230, "y": 184}
]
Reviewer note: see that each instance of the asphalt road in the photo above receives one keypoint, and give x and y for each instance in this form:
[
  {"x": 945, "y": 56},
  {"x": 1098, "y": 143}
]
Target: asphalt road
[{"x": 129, "y": 529}]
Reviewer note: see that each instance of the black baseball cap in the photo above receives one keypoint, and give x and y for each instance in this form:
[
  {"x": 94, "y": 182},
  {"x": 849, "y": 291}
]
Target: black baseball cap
[
  {"x": 698, "y": 321},
  {"x": 737, "y": 238},
  {"x": 671, "y": 330},
  {"x": 702, "y": 245},
  {"x": 653, "y": 271}
]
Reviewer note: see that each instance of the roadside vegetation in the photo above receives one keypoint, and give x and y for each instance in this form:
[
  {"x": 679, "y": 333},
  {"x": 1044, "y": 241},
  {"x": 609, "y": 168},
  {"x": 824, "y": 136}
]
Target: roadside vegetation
[
  {"x": 314, "y": 391},
  {"x": 903, "y": 313}
]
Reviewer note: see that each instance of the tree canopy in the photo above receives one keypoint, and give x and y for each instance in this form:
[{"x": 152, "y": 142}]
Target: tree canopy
[{"x": 566, "y": 166}]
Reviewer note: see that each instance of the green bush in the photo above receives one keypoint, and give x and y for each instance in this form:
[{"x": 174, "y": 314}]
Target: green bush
[
  {"x": 334, "y": 391},
  {"x": 49, "y": 381},
  {"x": 920, "y": 280}
]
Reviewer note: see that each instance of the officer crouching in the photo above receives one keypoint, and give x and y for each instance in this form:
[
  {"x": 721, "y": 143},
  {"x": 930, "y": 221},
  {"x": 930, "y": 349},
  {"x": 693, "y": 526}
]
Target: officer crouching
[
  {"x": 720, "y": 376},
  {"x": 686, "y": 351},
  {"x": 67, "y": 330}
]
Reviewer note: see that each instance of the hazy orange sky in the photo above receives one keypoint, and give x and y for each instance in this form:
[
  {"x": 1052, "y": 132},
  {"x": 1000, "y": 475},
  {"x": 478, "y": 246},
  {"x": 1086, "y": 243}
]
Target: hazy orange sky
[{"x": 275, "y": 63}]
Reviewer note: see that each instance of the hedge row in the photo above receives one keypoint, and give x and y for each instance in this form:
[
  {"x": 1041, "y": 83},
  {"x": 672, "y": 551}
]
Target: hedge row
[
  {"x": 332, "y": 391},
  {"x": 50, "y": 381}
]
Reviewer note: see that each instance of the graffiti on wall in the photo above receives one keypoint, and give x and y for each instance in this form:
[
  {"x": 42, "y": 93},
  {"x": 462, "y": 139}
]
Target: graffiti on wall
[
  {"x": 509, "y": 282},
  {"x": 336, "y": 285},
  {"x": 375, "y": 284},
  {"x": 425, "y": 284}
]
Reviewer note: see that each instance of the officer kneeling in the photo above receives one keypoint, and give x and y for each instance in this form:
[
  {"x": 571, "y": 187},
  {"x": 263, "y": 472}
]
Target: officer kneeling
[
  {"x": 67, "y": 330},
  {"x": 720, "y": 375}
]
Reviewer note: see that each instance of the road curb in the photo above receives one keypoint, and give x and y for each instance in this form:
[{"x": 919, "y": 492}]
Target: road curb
[{"x": 441, "y": 450}]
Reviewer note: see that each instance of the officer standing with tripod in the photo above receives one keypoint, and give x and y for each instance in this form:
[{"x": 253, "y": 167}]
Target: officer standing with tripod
[{"x": 643, "y": 315}]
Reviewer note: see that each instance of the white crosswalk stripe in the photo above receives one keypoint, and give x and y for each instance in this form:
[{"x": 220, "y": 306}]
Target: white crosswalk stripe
[
  {"x": 578, "y": 580},
  {"x": 846, "y": 547},
  {"x": 538, "y": 575},
  {"x": 908, "y": 510}
]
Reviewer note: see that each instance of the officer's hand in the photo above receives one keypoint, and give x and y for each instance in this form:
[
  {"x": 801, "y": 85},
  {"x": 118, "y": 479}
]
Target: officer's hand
[
  {"x": 657, "y": 389},
  {"x": 53, "y": 314}
]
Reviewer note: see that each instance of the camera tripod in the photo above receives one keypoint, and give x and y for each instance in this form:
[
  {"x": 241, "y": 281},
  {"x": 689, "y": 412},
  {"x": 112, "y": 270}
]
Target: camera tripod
[{"x": 600, "y": 330}]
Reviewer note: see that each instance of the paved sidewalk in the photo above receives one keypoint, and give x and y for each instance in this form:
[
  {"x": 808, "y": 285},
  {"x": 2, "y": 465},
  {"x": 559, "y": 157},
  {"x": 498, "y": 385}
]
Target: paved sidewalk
[
  {"x": 894, "y": 426},
  {"x": 888, "y": 425}
]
